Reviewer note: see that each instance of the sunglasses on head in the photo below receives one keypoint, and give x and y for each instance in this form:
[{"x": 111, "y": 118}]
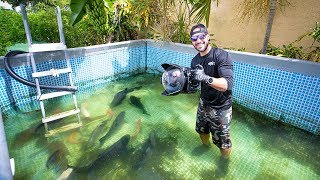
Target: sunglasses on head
[{"x": 196, "y": 37}]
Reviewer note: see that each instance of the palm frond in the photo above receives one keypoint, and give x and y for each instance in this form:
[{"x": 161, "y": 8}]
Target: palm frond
[{"x": 202, "y": 10}]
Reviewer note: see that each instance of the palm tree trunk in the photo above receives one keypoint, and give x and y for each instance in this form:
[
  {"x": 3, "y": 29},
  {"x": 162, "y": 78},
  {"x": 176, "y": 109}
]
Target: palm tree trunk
[{"x": 272, "y": 13}]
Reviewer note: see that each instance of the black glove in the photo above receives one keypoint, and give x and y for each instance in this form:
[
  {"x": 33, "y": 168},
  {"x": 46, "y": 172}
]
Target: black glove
[{"x": 200, "y": 75}]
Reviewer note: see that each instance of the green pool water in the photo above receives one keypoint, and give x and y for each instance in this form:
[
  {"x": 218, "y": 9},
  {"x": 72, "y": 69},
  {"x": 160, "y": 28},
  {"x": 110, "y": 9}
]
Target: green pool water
[{"x": 262, "y": 148}]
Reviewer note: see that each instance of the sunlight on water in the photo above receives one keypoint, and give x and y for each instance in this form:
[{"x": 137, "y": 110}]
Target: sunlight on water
[{"x": 162, "y": 142}]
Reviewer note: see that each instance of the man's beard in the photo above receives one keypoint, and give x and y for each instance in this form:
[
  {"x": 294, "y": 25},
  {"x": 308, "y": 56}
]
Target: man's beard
[{"x": 204, "y": 49}]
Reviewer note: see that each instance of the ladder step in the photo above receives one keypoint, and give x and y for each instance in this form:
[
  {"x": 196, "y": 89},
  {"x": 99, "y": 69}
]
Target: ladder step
[
  {"x": 63, "y": 129},
  {"x": 53, "y": 95},
  {"x": 51, "y": 72},
  {"x": 60, "y": 115},
  {"x": 47, "y": 47}
]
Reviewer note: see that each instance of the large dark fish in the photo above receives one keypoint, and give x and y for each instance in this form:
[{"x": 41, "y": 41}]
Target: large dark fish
[
  {"x": 57, "y": 161},
  {"x": 113, "y": 151},
  {"x": 119, "y": 97},
  {"x": 96, "y": 133},
  {"x": 146, "y": 151},
  {"x": 137, "y": 102},
  {"x": 53, "y": 157},
  {"x": 114, "y": 127}
]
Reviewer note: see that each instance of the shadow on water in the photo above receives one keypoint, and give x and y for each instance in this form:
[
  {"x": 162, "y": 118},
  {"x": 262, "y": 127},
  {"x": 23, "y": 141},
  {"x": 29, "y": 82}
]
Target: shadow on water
[
  {"x": 281, "y": 138},
  {"x": 199, "y": 150},
  {"x": 222, "y": 167}
]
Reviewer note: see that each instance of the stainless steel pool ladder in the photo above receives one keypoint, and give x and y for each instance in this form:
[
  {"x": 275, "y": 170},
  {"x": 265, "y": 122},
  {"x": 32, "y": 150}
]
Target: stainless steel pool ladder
[{"x": 53, "y": 72}]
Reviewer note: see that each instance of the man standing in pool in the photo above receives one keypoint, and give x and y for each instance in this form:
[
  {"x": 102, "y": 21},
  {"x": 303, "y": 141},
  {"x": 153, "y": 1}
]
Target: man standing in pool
[{"x": 215, "y": 72}]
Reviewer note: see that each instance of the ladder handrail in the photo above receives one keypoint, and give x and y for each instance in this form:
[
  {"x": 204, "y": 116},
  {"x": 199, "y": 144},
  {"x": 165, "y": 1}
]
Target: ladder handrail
[
  {"x": 27, "y": 28},
  {"x": 60, "y": 26},
  {"x": 26, "y": 24},
  {"x": 49, "y": 47}
]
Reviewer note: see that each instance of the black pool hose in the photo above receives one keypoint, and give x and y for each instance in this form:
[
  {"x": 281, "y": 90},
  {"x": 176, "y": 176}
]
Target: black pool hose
[{"x": 7, "y": 67}]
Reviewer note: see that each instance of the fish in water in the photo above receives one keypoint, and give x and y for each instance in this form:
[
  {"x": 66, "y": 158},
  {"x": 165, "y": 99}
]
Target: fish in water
[
  {"x": 73, "y": 138},
  {"x": 137, "y": 128},
  {"x": 113, "y": 151},
  {"x": 119, "y": 97},
  {"x": 114, "y": 127},
  {"x": 54, "y": 157},
  {"x": 57, "y": 160},
  {"x": 96, "y": 133},
  {"x": 26, "y": 135},
  {"x": 146, "y": 151},
  {"x": 137, "y": 102}
]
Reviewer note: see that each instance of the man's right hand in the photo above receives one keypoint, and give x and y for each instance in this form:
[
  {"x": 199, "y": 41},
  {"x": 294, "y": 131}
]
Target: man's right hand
[{"x": 200, "y": 75}]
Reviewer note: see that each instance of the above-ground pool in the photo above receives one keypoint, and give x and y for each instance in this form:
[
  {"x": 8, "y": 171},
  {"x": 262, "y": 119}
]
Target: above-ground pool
[
  {"x": 158, "y": 143},
  {"x": 274, "y": 131}
]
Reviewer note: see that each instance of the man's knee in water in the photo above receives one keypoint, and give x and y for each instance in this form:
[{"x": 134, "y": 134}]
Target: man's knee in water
[
  {"x": 205, "y": 138},
  {"x": 225, "y": 152}
]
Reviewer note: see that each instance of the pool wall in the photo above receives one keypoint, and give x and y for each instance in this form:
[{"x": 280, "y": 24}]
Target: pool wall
[{"x": 285, "y": 89}]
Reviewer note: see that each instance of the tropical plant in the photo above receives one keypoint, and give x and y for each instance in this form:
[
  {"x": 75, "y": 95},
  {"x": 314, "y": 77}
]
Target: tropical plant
[
  {"x": 180, "y": 25},
  {"x": 122, "y": 26},
  {"x": 315, "y": 34},
  {"x": 33, "y": 3},
  {"x": 162, "y": 26},
  {"x": 201, "y": 10},
  {"x": 260, "y": 9},
  {"x": 111, "y": 17},
  {"x": 289, "y": 51},
  {"x": 235, "y": 49},
  {"x": 311, "y": 53},
  {"x": 12, "y": 31},
  {"x": 96, "y": 10},
  {"x": 160, "y": 15}
]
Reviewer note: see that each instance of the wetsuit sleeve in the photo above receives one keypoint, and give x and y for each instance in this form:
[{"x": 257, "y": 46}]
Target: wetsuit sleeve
[{"x": 225, "y": 68}]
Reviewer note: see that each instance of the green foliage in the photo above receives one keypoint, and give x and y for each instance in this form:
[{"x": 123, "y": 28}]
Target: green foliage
[
  {"x": 315, "y": 34},
  {"x": 313, "y": 51},
  {"x": 97, "y": 13},
  {"x": 33, "y": 3},
  {"x": 122, "y": 26},
  {"x": 289, "y": 51},
  {"x": 11, "y": 31},
  {"x": 112, "y": 19},
  {"x": 259, "y": 9},
  {"x": 78, "y": 9},
  {"x": 131, "y": 16},
  {"x": 201, "y": 9},
  {"x": 44, "y": 31},
  {"x": 313, "y": 55},
  {"x": 234, "y": 49},
  {"x": 168, "y": 20},
  {"x": 82, "y": 34},
  {"x": 44, "y": 28},
  {"x": 180, "y": 28}
]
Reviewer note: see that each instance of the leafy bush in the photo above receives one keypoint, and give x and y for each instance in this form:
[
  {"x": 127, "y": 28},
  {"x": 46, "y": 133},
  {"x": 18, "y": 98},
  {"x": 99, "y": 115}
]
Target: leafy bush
[
  {"x": 44, "y": 28},
  {"x": 289, "y": 51},
  {"x": 11, "y": 31},
  {"x": 311, "y": 53},
  {"x": 315, "y": 34}
]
